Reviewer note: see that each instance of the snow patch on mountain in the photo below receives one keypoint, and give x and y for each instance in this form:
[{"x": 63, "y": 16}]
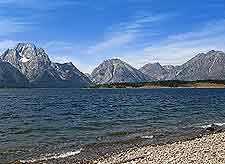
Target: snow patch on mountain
[{"x": 24, "y": 59}]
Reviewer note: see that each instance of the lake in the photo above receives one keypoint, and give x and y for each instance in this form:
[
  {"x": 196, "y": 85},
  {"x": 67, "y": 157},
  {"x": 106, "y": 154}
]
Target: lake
[{"x": 50, "y": 122}]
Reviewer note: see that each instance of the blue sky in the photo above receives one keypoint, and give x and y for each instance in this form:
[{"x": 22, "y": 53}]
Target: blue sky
[{"x": 87, "y": 32}]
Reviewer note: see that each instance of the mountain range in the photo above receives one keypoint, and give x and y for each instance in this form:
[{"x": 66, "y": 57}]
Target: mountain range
[
  {"x": 30, "y": 66},
  {"x": 26, "y": 65},
  {"x": 204, "y": 66}
]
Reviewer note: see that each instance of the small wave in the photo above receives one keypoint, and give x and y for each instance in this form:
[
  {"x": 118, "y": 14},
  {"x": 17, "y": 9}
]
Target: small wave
[
  {"x": 210, "y": 125},
  {"x": 52, "y": 156},
  {"x": 147, "y": 137},
  {"x": 220, "y": 124}
]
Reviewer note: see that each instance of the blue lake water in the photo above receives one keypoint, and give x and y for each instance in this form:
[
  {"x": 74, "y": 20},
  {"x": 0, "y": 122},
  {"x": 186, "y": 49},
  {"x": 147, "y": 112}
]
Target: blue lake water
[{"x": 39, "y": 121}]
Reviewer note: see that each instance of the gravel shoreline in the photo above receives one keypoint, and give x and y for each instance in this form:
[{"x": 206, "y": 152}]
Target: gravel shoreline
[{"x": 209, "y": 149}]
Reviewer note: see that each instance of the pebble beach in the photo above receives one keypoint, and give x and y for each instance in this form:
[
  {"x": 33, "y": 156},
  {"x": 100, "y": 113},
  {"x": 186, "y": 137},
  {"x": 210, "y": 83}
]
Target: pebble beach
[{"x": 209, "y": 149}]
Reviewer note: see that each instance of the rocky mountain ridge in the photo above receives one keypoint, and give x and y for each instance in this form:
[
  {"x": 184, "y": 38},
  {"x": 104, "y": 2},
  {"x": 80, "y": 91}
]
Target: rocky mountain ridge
[
  {"x": 154, "y": 70},
  {"x": 29, "y": 66},
  {"x": 204, "y": 66},
  {"x": 34, "y": 64},
  {"x": 116, "y": 71},
  {"x": 28, "y": 59}
]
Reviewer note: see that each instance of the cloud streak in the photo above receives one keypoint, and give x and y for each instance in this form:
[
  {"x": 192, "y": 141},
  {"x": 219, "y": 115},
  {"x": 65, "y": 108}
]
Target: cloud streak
[
  {"x": 177, "y": 49},
  {"x": 126, "y": 33},
  {"x": 12, "y": 25},
  {"x": 63, "y": 52}
]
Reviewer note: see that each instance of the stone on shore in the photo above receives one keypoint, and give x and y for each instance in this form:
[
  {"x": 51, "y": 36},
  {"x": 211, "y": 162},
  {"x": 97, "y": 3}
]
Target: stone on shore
[{"x": 206, "y": 150}]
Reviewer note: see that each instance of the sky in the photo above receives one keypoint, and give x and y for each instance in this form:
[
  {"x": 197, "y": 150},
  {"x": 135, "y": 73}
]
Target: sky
[{"x": 88, "y": 32}]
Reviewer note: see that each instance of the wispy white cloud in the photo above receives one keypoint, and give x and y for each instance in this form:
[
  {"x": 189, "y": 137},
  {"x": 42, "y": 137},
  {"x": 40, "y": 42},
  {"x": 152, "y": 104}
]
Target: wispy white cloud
[
  {"x": 206, "y": 30},
  {"x": 12, "y": 25},
  {"x": 125, "y": 33},
  {"x": 84, "y": 67},
  {"x": 63, "y": 52},
  {"x": 140, "y": 23},
  {"x": 56, "y": 46},
  {"x": 111, "y": 42},
  {"x": 179, "y": 48}
]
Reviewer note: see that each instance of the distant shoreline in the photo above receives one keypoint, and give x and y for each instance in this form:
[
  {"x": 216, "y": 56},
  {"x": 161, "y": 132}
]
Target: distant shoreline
[
  {"x": 166, "y": 84},
  {"x": 207, "y": 84}
]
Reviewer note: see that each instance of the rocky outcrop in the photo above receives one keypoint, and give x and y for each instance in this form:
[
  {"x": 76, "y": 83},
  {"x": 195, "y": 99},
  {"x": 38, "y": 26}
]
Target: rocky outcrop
[
  {"x": 204, "y": 66},
  {"x": 154, "y": 70},
  {"x": 117, "y": 71},
  {"x": 172, "y": 71}
]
